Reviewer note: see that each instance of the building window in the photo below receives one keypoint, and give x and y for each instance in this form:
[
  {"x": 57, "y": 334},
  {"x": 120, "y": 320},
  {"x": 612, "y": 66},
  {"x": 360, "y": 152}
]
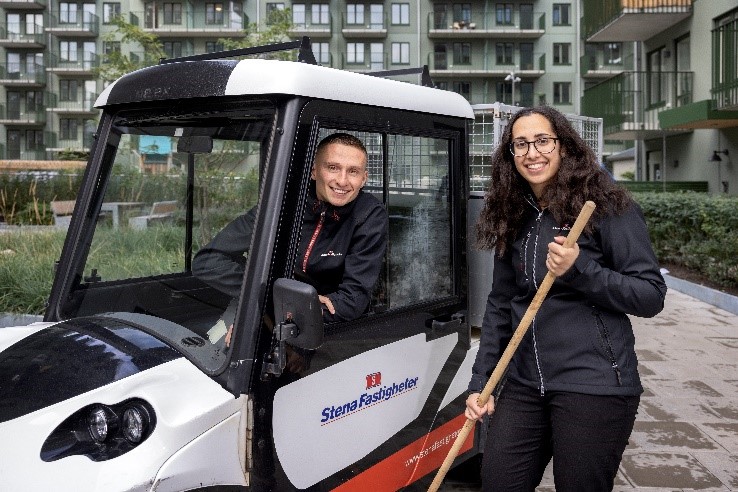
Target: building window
[
  {"x": 213, "y": 46},
  {"x": 173, "y": 13},
  {"x": 355, "y": 53},
  {"x": 462, "y": 13},
  {"x": 271, "y": 10},
  {"x": 67, "y": 13},
  {"x": 613, "y": 53},
  {"x": 354, "y": 14},
  {"x": 504, "y": 53},
  {"x": 526, "y": 56},
  {"x": 504, "y": 14},
  {"x": 110, "y": 12},
  {"x": 35, "y": 140},
  {"x": 562, "y": 93},
  {"x": 68, "y": 129},
  {"x": 322, "y": 53},
  {"x": 658, "y": 76},
  {"x": 68, "y": 51},
  {"x": 401, "y": 53},
  {"x": 214, "y": 14},
  {"x": 400, "y": 14},
  {"x": 298, "y": 14},
  {"x": 561, "y": 55},
  {"x": 462, "y": 53},
  {"x": 68, "y": 90},
  {"x": 320, "y": 14},
  {"x": 173, "y": 49},
  {"x": 561, "y": 14},
  {"x": 463, "y": 88}
]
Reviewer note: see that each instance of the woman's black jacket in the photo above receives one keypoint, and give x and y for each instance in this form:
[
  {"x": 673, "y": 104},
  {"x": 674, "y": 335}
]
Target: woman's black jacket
[{"x": 581, "y": 339}]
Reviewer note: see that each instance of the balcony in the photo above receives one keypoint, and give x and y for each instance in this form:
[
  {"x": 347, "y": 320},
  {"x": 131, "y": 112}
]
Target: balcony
[
  {"x": 82, "y": 105},
  {"x": 595, "y": 66},
  {"x": 630, "y": 103},
  {"x": 22, "y": 155},
  {"x": 15, "y": 74},
  {"x": 74, "y": 24},
  {"x": 372, "y": 62},
  {"x": 23, "y": 4},
  {"x": 19, "y": 116},
  {"x": 443, "y": 65},
  {"x": 20, "y": 35},
  {"x": 631, "y": 20},
  {"x": 371, "y": 26},
  {"x": 78, "y": 62},
  {"x": 480, "y": 24},
  {"x": 56, "y": 142},
  {"x": 313, "y": 30},
  {"x": 192, "y": 23}
]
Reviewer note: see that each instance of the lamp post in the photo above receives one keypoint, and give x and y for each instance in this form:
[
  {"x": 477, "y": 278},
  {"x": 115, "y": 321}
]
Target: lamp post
[{"x": 511, "y": 77}]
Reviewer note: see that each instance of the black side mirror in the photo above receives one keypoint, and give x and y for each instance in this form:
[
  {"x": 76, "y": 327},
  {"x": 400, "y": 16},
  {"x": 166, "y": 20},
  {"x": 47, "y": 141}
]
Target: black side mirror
[{"x": 298, "y": 313}]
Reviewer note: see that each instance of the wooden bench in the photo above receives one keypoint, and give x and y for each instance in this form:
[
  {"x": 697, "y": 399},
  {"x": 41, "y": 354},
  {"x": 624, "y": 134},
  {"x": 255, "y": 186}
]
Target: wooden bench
[
  {"x": 62, "y": 211},
  {"x": 160, "y": 212}
]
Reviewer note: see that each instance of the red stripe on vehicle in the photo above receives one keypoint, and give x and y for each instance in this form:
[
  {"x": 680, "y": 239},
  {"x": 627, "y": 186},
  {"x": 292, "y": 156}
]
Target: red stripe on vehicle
[{"x": 411, "y": 462}]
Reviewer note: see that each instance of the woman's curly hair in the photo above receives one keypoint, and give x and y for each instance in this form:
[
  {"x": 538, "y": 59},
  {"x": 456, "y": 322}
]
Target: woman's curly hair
[{"x": 580, "y": 178}]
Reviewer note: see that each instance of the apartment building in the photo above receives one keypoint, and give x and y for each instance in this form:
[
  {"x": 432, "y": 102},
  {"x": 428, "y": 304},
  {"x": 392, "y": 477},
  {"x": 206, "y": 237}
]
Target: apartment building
[
  {"x": 680, "y": 104},
  {"x": 631, "y": 62}
]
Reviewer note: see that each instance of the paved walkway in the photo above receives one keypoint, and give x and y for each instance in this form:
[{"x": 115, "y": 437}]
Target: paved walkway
[{"x": 686, "y": 432}]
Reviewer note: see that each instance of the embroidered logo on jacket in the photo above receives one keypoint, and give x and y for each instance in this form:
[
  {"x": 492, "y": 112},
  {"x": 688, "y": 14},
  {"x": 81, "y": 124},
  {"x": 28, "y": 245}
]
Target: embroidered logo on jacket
[{"x": 331, "y": 253}]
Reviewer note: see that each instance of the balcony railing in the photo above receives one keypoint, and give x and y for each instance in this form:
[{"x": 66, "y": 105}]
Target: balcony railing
[
  {"x": 515, "y": 24},
  {"x": 81, "y": 103},
  {"x": 191, "y": 22},
  {"x": 370, "y": 25},
  {"x": 533, "y": 65},
  {"x": 316, "y": 30},
  {"x": 23, "y": 4},
  {"x": 15, "y": 73},
  {"x": 622, "y": 20},
  {"x": 595, "y": 66},
  {"x": 85, "y": 24},
  {"x": 21, "y": 35},
  {"x": 370, "y": 62},
  {"x": 20, "y": 115},
  {"x": 629, "y": 103},
  {"x": 74, "y": 62}
]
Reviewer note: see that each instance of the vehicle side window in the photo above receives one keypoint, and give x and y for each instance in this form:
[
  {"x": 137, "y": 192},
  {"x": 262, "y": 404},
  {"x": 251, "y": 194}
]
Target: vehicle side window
[{"x": 419, "y": 220}]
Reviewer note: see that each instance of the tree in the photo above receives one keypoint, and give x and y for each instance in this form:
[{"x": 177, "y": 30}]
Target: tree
[{"x": 116, "y": 64}]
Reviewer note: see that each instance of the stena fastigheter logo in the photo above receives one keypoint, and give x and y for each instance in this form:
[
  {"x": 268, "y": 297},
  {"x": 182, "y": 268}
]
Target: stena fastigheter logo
[{"x": 379, "y": 394}]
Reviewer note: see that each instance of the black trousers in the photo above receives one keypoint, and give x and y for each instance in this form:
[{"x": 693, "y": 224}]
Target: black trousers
[{"x": 585, "y": 434}]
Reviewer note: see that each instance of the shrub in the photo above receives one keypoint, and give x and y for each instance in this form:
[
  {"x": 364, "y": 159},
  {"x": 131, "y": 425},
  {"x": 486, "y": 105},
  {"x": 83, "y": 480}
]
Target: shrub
[{"x": 696, "y": 230}]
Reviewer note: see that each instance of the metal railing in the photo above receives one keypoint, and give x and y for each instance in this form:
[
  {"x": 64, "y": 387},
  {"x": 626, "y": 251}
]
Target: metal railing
[
  {"x": 198, "y": 19},
  {"x": 487, "y": 21}
]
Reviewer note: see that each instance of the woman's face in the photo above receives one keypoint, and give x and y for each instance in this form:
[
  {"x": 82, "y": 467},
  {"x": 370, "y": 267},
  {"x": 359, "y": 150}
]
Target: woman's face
[{"x": 538, "y": 169}]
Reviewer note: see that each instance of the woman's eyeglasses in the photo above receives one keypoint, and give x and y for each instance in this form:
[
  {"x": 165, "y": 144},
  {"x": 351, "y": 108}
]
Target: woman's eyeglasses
[{"x": 544, "y": 145}]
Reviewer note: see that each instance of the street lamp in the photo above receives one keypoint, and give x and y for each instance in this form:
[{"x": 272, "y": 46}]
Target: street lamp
[{"x": 511, "y": 77}]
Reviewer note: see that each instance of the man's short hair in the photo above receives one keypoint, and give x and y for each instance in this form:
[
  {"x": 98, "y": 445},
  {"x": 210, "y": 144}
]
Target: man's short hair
[{"x": 343, "y": 139}]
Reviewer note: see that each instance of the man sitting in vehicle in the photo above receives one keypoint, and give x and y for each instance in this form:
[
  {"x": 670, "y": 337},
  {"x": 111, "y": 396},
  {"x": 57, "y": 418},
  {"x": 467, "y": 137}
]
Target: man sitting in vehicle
[{"x": 344, "y": 236}]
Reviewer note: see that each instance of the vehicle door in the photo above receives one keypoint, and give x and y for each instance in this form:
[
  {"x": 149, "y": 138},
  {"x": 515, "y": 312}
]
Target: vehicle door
[{"x": 377, "y": 405}]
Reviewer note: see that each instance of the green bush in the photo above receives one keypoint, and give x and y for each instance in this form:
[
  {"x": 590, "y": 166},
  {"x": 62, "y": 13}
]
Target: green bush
[{"x": 696, "y": 230}]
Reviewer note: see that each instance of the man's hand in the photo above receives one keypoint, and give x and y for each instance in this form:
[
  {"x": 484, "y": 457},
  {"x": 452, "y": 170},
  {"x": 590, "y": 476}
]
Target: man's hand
[
  {"x": 559, "y": 259},
  {"x": 327, "y": 303},
  {"x": 474, "y": 411}
]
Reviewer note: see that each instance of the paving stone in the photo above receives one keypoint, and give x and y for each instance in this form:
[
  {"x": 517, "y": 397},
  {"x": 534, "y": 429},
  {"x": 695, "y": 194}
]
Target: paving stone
[{"x": 673, "y": 471}]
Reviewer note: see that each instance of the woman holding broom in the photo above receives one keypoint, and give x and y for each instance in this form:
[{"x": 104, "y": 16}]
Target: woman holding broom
[{"x": 572, "y": 389}]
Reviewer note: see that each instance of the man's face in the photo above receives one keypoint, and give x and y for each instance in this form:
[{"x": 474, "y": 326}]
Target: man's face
[{"x": 339, "y": 172}]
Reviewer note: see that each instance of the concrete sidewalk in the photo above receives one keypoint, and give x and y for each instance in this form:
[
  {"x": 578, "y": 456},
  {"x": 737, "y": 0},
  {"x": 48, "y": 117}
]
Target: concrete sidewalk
[{"x": 686, "y": 432}]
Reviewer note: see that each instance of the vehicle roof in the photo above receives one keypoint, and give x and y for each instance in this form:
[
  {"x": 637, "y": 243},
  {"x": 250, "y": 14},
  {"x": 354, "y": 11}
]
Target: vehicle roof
[{"x": 212, "y": 78}]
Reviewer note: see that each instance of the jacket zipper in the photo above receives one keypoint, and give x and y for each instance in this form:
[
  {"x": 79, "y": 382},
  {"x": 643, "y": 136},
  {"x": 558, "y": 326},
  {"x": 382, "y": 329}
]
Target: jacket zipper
[
  {"x": 312, "y": 241},
  {"x": 535, "y": 283},
  {"x": 606, "y": 345}
]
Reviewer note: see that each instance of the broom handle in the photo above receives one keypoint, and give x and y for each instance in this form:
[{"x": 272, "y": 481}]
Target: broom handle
[{"x": 507, "y": 355}]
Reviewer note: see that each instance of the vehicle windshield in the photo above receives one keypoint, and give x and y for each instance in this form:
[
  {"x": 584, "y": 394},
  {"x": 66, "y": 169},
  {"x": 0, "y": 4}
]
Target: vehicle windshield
[{"x": 175, "y": 180}]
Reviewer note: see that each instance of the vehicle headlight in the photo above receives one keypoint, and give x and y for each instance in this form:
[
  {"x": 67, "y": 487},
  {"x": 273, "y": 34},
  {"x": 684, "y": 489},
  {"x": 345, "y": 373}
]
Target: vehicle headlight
[
  {"x": 135, "y": 420},
  {"x": 101, "y": 432},
  {"x": 99, "y": 424}
]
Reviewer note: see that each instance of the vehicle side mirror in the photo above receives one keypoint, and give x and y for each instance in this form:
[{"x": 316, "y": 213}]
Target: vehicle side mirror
[{"x": 298, "y": 313}]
